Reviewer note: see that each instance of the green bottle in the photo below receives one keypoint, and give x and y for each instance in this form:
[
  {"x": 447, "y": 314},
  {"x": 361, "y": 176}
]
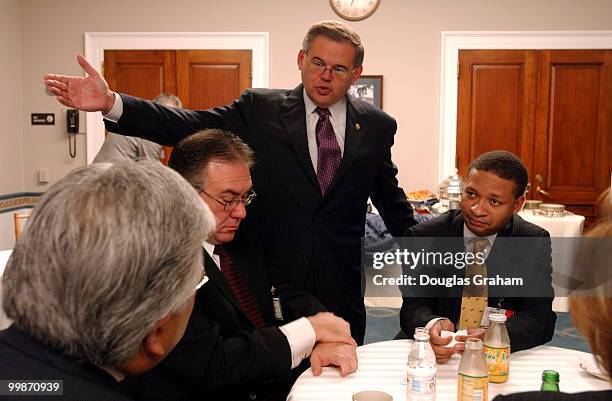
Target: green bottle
[{"x": 550, "y": 381}]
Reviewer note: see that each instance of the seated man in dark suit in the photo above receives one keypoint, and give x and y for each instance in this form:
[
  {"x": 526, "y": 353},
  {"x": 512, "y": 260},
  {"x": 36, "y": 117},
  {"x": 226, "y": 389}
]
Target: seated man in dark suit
[
  {"x": 233, "y": 349},
  {"x": 101, "y": 283},
  {"x": 492, "y": 196}
]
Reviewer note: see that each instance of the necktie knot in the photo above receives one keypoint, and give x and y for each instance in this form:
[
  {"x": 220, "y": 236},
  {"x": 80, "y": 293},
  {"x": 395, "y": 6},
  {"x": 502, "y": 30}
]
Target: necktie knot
[
  {"x": 480, "y": 244},
  {"x": 323, "y": 113},
  {"x": 219, "y": 250}
]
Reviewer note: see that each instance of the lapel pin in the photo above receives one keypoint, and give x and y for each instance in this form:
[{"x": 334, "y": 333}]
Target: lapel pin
[{"x": 357, "y": 126}]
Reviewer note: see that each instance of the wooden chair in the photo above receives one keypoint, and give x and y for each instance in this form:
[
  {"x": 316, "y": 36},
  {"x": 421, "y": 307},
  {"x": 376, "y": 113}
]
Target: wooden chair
[{"x": 20, "y": 222}]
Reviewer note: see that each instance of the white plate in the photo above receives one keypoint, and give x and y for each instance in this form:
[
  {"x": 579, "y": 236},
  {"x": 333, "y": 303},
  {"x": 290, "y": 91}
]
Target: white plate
[{"x": 589, "y": 364}]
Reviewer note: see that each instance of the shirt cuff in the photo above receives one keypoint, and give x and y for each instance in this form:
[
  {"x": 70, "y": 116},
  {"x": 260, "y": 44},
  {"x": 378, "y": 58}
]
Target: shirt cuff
[
  {"x": 301, "y": 338},
  {"x": 116, "y": 111}
]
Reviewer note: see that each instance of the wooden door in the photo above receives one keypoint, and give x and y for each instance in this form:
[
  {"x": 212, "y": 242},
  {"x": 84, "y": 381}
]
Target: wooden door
[
  {"x": 200, "y": 78},
  {"x": 573, "y": 127},
  {"x": 142, "y": 73},
  {"x": 552, "y": 108},
  {"x": 497, "y": 94},
  {"x": 211, "y": 78}
]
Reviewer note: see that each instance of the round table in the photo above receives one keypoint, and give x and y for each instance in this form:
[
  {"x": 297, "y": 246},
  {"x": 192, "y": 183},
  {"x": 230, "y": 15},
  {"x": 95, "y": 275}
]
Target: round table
[{"x": 382, "y": 366}]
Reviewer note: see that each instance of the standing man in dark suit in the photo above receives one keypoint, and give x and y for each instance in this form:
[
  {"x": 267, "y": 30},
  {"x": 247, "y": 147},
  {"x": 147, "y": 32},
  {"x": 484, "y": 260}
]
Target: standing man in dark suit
[
  {"x": 492, "y": 196},
  {"x": 320, "y": 152},
  {"x": 233, "y": 349}
]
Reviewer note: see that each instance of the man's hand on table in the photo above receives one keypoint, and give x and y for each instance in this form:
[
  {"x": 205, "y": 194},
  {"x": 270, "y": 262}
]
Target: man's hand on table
[
  {"x": 438, "y": 343},
  {"x": 331, "y": 329},
  {"x": 343, "y": 356}
]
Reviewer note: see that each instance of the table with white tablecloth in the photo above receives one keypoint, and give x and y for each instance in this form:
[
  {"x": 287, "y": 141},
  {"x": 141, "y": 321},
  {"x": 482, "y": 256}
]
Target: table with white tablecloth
[
  {"x": 4, "y": 256},
  {"x": 382, "y": 366},
  {"x": 563, "y": 249}
]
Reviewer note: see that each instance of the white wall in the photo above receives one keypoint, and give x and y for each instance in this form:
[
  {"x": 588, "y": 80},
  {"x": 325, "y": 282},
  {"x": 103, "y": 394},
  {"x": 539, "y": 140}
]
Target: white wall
[
  {"x": 11, "y": 114},
  {"x": 402, "y": 42}
]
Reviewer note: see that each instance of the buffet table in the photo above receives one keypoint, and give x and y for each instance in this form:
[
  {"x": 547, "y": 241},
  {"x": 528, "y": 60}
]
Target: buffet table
[
  {"x": 382, "y": 367},
  {"x": 563, "y": 250}
]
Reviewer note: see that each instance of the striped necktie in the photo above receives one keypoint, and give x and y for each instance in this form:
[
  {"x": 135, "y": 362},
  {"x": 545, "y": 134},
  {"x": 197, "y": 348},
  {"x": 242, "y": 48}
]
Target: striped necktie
[{"x": 239, "y": 288}]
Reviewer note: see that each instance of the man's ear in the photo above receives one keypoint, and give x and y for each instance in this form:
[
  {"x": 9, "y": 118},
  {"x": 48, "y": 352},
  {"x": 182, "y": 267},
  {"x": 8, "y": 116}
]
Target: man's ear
[
  {"x": 356, "y": 74},
  {"x": 153, "y": 346},
  {"x": 518, "y": 204},
  {"x": 300, "y": 59}
]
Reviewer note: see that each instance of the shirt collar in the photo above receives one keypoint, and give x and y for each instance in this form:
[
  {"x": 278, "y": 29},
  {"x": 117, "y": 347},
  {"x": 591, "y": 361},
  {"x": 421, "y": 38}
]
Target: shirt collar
[
  {"x": 208, "y": 247},
  {"x": 335, "y": 109},
  {"x": 469, "y": 236}
]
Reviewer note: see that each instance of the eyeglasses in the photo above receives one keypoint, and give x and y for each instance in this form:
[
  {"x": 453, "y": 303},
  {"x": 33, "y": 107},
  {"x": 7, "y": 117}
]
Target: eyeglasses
[
  {"x": 231, "y": 204},
  {"x": 318, "y": 66}
]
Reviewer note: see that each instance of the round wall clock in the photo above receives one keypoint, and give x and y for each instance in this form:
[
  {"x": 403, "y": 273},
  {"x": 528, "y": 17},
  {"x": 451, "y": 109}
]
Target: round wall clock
[{"x": 354, "y": 10}]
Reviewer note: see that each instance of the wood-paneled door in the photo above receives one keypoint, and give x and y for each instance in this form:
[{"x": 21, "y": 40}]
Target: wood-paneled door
[
  {"x": 552, "y": 108},
  {"x": 573, "y": 128},
  {"x": 200, "y": 78}
]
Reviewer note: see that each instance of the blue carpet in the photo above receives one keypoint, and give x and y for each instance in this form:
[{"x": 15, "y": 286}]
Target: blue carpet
[{"x": 383, "y": 325}]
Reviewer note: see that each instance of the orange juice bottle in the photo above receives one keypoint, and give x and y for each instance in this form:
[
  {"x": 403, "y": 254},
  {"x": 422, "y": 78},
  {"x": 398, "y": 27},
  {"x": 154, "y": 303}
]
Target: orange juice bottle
[{"x": 497, "y": 348}]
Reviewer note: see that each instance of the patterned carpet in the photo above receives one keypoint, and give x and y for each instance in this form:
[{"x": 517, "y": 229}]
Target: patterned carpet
[{"x": 383, "y": 324}]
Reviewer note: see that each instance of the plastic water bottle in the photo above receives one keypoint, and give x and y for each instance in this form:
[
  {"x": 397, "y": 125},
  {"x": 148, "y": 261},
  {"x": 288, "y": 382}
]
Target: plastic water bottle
[{"x": 421, "y": 374}]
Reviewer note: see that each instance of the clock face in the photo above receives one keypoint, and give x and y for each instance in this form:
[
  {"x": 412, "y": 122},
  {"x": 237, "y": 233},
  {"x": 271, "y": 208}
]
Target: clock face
[{"x": 354, "y": 10}]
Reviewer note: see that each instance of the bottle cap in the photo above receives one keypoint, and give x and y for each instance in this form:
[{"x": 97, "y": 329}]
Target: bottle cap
[
  {"x": 497, "y": 317},
  {"x": 473, "y": 343},
  {"x": 550, "y": 376}
]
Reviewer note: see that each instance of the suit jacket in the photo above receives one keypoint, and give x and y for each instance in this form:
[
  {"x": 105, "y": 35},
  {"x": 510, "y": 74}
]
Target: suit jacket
[
  {"x": 222, "y": 356},
  {"x": 533, "y": 321},
  {"x": 314, "y": 241},
  {"x": 23, "y": 357},
  {"x": 605, "y": 395}
]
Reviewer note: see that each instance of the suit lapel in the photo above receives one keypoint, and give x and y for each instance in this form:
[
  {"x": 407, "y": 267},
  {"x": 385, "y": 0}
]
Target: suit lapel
[
  {"x": 216, "y": 278},
  {"x": 293, "y": 116},
  {"x": 353, "y": 137}
]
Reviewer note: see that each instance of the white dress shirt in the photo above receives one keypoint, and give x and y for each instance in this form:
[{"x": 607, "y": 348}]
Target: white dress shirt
[
  {"x": 338, "y": 122},
  {"x": 300, "y": 333}
]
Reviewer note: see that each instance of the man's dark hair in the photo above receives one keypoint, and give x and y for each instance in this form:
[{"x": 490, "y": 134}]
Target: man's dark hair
[
  {"x": 191, "y": 156},
  {"x": 504, "y": 165}
]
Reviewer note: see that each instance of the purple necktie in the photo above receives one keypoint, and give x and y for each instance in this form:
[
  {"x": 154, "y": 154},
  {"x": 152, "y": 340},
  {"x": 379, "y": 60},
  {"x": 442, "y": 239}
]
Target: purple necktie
[
  {"x": 239, "y": 288},
  {"x": 329, "y": 154}
]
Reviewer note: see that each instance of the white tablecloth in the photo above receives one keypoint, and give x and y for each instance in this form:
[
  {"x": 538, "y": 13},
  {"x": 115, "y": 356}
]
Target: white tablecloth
[
  {"x": 563, "y": 251},
  {"x": 4, "y": 255},
  {"x": 382, "y": 366}
]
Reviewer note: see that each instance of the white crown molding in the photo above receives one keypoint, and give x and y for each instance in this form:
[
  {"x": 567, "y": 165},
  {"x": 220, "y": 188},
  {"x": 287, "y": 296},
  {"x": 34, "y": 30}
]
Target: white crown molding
[
  {"x": 97, "y": 42},
  {"x": 452, "y": 41}
]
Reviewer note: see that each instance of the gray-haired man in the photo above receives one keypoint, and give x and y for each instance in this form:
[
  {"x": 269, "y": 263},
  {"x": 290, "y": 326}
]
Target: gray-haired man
[{"x": 101, "y": 283}]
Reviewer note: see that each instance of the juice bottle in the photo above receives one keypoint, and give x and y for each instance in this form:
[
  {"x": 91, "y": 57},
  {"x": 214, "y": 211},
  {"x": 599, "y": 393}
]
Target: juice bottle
[
  {"x": 497, "y": 348},
  {"x": 473, "y": 378}
]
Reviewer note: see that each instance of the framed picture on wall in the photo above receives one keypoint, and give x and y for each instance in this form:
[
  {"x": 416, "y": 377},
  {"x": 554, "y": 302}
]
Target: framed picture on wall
[{"x": 368, "y": 88}]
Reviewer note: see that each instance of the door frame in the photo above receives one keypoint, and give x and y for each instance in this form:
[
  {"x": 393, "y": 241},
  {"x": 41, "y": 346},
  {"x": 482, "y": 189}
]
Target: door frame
[
  {"x": 97, "y": 42},
  {"x": 453, "y": 41}
]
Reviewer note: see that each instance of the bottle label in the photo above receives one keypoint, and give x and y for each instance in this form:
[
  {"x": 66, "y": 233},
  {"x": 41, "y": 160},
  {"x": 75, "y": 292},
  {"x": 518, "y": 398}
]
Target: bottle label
[
  {"x": 421, "y": 384},
  {"x": 472, "y": 388},
  {"x": 498, "y": 361}
]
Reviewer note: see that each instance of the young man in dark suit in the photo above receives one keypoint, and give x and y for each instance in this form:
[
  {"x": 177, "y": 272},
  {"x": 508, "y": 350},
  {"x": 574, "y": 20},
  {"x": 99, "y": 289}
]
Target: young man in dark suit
[
  {"x": 243, "y": 340},
  {"x": 321, "y": 154},
  {"x": 492, "y": 196}
]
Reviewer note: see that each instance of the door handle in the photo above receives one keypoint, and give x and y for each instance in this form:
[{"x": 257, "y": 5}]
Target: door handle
[{"x": 541, "y": 191}]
